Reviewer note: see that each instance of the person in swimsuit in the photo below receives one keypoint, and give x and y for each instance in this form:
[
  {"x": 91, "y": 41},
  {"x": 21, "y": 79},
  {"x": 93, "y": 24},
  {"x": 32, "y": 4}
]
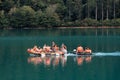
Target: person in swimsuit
[{"x": 79, "y": 50}]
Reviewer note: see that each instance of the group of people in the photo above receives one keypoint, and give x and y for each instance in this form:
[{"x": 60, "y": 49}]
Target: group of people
[{"x": 54, "y": 48}]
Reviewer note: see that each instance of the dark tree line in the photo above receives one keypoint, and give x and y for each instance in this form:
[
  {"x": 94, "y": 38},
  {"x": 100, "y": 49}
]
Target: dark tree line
[{"x": 55, "y": 13}]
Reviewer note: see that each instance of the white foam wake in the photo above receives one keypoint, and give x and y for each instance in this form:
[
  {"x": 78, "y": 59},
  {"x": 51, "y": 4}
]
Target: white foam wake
[
  {"x": 99, "y": 54},
  {"x": 107, "y": 54}
]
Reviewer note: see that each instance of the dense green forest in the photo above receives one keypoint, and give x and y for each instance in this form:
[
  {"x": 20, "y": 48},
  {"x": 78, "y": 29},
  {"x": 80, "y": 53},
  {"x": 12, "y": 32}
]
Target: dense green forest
[{"x": 58, "y": 13}]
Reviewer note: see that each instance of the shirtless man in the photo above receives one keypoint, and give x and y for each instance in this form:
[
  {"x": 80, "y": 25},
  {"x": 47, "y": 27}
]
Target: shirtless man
[
  {"x": 47, "y": 49},
  {"x": 79, "y": 49}
]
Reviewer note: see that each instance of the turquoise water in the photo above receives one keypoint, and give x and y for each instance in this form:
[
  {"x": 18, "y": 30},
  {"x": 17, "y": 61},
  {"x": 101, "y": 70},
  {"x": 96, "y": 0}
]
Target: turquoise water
[{"x": 17, "y": 64}]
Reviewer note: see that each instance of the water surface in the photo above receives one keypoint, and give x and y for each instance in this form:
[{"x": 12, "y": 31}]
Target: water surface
[{"x": 17, "y": 64}]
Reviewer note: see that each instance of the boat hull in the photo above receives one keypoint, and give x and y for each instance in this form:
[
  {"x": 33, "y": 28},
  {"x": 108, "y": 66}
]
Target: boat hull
[
  {"x": 56, "y": 54},
  {"x": 82, "y": 53},
  {"x": 46, "y": 54}
]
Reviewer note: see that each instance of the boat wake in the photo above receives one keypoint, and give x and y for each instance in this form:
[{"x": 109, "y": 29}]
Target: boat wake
[
  {"x": 107, "y": 54},
  {"x": 99, "y": 54}
]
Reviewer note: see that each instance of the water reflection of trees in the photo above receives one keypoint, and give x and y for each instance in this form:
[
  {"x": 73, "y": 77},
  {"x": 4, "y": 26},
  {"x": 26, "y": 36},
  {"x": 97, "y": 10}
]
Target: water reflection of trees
[{"x": 60, "y": 32}]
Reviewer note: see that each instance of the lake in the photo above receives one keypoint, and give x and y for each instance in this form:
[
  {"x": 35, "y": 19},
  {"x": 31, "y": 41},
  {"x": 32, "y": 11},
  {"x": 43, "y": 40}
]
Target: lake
[{"x": 17, "y": 64}]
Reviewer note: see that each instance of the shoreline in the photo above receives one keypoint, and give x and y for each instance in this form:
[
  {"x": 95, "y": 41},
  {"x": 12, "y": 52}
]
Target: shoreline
[
  {"x": 64, "y": 27},
  {"x": 95, "y": 27}
]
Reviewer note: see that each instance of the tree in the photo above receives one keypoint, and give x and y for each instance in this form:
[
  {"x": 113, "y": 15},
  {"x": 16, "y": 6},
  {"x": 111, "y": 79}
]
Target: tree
[
  {"x": 49, "y": 17},
  {"x": 3, "y": 20},
  {"x": 38, "y": 5},
  {"x": 107, "y": 10},
  {"x": 22, "y": 17},
  {"x": 96, "y": 9},
  {"x": 73, "y": 10},
  {"x": 49, "y": 13},
  {"x": 77, "y": 9},
  {"x": 53, "y": 17},
  {"x": 61, "y": 10},
  {"x": 69, "y": 5},
  {"x": 114, "y": 8},
  {"x": 7, "y": 5},
  {"x": 89, "y": 7},
  {"x": 118, "y": 9},
  {"x": 102, "y": 9}
]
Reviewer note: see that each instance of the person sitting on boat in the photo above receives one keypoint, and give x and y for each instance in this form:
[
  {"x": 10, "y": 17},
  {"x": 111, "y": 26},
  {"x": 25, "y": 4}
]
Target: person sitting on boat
[
  {"x": 79, "y": 50},
  {"x": 47, "y": 49},
  {"x": 30, "y": 51},
  {"x": 87, "y": 50},
  {"x": 64, "y": 49},
  {"x": 56, "y": 50},
  {"x": 37, "y": 50},
  {"x": 34, "y": 50}
]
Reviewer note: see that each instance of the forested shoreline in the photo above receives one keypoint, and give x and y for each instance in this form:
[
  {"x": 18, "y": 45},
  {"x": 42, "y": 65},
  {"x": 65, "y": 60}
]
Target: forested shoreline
[{"x": 59, "y": 13}]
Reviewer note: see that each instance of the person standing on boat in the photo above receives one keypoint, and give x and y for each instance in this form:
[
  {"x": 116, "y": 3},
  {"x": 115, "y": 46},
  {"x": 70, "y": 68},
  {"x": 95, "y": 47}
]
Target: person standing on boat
[
  {"x": 53, "y": 46},
  {"x": 79, "y": 50},
  {"x": 64, "y": 49}
]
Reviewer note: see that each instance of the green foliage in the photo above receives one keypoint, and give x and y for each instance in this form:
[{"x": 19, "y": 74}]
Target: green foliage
[
  {"x": 3, "y": 20},
  {"x": 89, "y": 22},
  {"x": 53, "y": 1},
  {"x": 38, "y": 5},
  {"x": 46, "y": 20},
  {"x": 7, "y": 5},
  {"x": 61, "y": 11},
  {"x": 66, "y": 24},
  {"x": 53, "y": 13},
  {"x": 115, "y": 22},
  {"x": 22, "y": 17},
  {"x": 52, "y": 16},
  {"x": 107, "y": 23}
]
